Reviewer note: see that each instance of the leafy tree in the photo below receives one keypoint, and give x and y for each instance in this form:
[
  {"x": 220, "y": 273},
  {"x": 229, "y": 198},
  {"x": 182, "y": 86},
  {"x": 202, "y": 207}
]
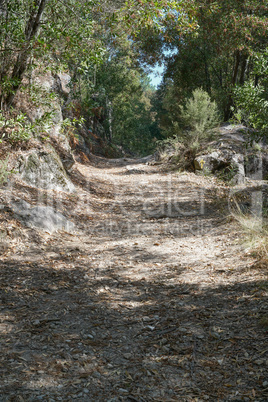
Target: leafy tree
[
  {"x": 251, "y": 98},
  {"x": 31, "y": 30},
  {"x": 218, "y": 55}
]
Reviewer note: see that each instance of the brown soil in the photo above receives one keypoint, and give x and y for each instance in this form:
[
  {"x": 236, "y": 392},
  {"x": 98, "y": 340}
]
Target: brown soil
[{"x": 153, "y": 298}]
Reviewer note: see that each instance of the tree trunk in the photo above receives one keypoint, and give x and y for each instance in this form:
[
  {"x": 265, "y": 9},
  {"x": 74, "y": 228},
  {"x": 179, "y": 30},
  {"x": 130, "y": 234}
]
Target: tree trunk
[
  {"x": 21, "y": 63},
  {"x": 237, "y": 59},
  {"x": 244, "y": 66},
  {"x": 208, "y": 80},
  {"x": 109, "y": 111}
]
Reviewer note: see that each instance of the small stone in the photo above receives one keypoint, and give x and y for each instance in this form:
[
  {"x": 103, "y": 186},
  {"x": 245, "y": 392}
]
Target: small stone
[
  {"x": 86, "y": 391},
  {"x": 150, "y": 327},
  {"x": 259, "y": 362},
  {"x": 123, "y": 391},
  {"x": 36, "y": 323},
  {"x": 146, "y": 319},
  {"x": 265, "y": 383},
  {"x": 89, "y": 336}
]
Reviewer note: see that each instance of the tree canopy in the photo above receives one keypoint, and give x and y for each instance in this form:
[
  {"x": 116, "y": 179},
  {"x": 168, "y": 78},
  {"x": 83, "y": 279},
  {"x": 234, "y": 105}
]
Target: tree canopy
[{"x": 109, "y": 47}]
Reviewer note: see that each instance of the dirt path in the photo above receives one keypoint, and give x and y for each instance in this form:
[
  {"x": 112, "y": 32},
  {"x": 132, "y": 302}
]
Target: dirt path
[{"x": 152, "y": 299}]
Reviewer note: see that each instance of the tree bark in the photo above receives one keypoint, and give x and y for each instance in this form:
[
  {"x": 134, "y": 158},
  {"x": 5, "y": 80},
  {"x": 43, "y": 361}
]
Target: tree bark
[
  {"x": 109, "y": 111},
  {"x": 237, "y": 60},
  {"x": 21, "y": 63},
  {"x": 244, "y": 66}
]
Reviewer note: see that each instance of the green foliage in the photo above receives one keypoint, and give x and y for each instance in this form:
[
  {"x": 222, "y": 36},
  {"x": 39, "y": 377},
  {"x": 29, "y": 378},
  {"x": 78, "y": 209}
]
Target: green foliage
[
  {"x": 116, "y": 100},
  {"x": 69, "y": 127},
  {"x": 50, "y": 30},
  {"x": 80, "y": 36},
  {"x": 218, "y": 55},
  {"x": 200, "y": 115},
  {"x": 251, "y": 99},
  {"x": 252, "y": 106},
  {"x": 133, "y": 120},
  {"x": 15, "y": 128},
  {"x": 194, "y": 124}
]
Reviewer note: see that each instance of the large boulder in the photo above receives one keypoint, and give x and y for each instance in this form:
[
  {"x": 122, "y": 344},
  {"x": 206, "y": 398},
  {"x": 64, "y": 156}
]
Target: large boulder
[
  {"x": 41, "y": 217},
  {"x": 44, "y": 169},
  {"x": 233, "y": 157},
  {"x": 225, "y": 163},
  {"x": 211, "y": 162}
]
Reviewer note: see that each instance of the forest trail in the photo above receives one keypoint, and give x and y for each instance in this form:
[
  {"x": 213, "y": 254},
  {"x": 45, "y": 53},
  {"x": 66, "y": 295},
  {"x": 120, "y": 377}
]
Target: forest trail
[{"x": 153, "y": 298}]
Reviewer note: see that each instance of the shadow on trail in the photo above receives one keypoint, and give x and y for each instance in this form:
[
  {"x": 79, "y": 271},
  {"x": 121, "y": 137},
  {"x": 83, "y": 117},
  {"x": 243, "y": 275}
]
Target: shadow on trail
[
  {"x": 74, "y": 331},
  {"x": 104, "y": 163},
  {"x": 76, "y": 327}
]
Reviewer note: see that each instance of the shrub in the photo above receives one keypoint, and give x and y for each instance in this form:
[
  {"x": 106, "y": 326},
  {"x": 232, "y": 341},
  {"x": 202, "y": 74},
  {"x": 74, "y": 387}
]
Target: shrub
[
  {"x": 197, "y": 119},
  {"x": 199, "y": 116},
  {"x": 252, "y": 107},
  {"x": 14, "y": 128}
]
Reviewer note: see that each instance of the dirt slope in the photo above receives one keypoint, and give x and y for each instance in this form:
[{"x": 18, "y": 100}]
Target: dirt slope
[{"x": 152, "y": 299}]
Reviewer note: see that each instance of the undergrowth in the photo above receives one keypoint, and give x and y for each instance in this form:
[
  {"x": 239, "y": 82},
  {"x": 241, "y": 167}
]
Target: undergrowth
[
  {"x": 255, "y": 229},
  {"x": 195, "y": 128}
]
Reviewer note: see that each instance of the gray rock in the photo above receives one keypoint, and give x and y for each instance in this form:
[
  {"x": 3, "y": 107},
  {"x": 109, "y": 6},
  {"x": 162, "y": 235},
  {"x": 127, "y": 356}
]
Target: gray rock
[
  {"x": 59, "y": 85},
  {"x": 237, "y": 163},
  {"x": 66, "y": 157},
  {"x": 256, "y": 165},
  {"x": 63, "y": 81},
  {"x": 41, "y": 217},
  {"x": 44, "y": 169},
  {"x": 233, "y": 158},
  {"x": 211, "y": 162}
]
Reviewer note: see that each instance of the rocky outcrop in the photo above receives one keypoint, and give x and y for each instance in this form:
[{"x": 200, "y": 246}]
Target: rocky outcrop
[
  {"x": 42, "y": 166},
  {"x": 43, "y": 169},
  {"x": 59, "y": 85},
  {"x": 41, "y": 217},
  {"x": 232, "y": 157},
  {"x": 66, "y": 157},
  {"x": 63, "y": 81}
]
